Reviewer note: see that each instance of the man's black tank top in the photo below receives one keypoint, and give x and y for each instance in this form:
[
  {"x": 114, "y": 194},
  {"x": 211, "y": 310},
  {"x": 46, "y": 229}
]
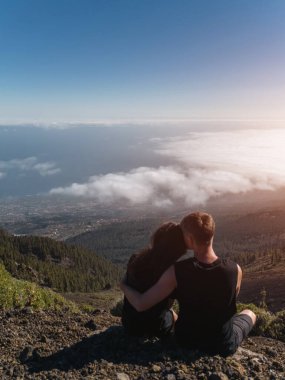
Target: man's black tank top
[{"x": 207, "y": 301}]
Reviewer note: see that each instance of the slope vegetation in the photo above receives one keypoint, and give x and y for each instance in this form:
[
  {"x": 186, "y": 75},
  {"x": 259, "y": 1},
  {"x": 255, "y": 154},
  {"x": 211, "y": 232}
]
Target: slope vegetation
[
  {"x": 16, "y": 293},
  {"x": 55, "y": 264}
]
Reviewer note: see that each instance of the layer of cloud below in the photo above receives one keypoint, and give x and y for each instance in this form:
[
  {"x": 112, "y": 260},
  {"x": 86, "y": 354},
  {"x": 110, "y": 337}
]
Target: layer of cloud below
[
  {"x": 205, "y": 164},
  {"x": 29, "y": 164}
]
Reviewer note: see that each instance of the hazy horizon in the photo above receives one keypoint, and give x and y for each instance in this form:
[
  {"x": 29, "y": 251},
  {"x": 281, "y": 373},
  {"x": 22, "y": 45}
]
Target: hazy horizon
[{"x": 158, "y": 165}]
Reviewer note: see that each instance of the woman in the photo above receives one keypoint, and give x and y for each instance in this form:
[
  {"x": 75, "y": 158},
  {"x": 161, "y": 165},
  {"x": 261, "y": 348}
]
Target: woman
[{"x": 144, "y": 269}]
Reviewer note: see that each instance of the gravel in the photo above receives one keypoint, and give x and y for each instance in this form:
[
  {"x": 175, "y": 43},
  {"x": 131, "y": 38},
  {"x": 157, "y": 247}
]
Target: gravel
[{"x": 62, "y": 345}]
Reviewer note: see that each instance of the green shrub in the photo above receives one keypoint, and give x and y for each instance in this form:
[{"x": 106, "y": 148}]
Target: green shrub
[
  {"x": 86, "y": 308},
  {"x": 277, "y": 327},
  {"x": 267, "y": 324},
  {"x": 19, "y": 293}
]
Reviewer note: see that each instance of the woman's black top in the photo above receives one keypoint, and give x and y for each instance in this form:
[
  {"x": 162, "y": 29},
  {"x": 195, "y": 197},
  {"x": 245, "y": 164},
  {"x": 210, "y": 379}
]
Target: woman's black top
[{"x": 141, "y": 275}]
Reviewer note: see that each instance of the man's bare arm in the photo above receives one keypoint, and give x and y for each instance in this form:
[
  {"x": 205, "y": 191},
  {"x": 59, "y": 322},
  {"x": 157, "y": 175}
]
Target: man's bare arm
[
  {"x": 143, "y": 301},
  {"x": 239, "y": 278}
]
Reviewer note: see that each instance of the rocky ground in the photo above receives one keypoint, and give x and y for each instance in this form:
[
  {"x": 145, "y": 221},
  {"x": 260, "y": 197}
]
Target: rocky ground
[{"x": 63, "y": 345}]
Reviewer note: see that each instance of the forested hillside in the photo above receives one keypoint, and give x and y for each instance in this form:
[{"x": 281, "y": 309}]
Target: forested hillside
[
  {"x": 244, "y": 238},
  {"x": 119, "y": 240},
  {"x": 63, "y": 267}
]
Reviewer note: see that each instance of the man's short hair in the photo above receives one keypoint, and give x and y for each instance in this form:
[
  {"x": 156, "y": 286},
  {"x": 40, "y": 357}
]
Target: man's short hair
[{"x": 200, "y": 225}]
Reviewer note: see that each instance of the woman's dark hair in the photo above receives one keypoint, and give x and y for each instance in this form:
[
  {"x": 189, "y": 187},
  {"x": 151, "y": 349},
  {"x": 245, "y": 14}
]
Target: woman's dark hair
[{"x": 146, "y": 267}]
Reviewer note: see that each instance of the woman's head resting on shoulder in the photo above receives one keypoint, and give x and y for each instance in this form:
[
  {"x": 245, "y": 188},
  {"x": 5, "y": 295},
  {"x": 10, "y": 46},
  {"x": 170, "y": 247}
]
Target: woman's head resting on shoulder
[
  {"x": 168, "y": 240},
  {"x": 167, "y": 245}
]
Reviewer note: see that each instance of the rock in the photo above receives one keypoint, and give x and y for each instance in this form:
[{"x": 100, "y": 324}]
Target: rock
[
  {"x": 26, "y": 354},
  {"x": 184, "y": 368},
  {"x": 36, "y": 354},
  {"x": 255, "y": 364},
  {"x": 170, "y": 376},
  {"x": 28, "y": 310},
  {"x": 218, "y": 376},
  {"x": 242, "y": 353},
  {"x": 122, "y": 376},
  {"x": 201, "y": 376},
  {"x": 43, "y": 339},
  {"x": 271, "y": 352},
  {"x": 90, "y": 325},
  {"x": 155, "y": 368},
  {"x": 84, "y": 372},
  {"x": 278, "y": 366},
  {"x": 235, "y": 366}
]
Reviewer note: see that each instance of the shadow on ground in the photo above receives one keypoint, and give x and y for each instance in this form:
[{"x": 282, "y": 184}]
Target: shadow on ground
[{"x": 113, "y": 346}]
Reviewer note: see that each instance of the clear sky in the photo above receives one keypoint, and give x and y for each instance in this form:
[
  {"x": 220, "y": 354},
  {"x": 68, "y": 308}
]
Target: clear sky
[{"x": 88, "y": 60}]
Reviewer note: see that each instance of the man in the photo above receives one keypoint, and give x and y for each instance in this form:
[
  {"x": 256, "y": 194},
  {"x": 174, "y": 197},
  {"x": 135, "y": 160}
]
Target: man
[{"x": 206, "y": 289}]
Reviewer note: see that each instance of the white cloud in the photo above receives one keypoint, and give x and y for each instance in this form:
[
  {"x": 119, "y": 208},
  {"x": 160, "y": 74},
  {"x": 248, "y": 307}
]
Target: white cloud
[
  {"x": 205, "y": 164},
  {"x": 30, "y": 164},
  {"x": 2, "y": 175},
  {"x": 46, "y": 168}
]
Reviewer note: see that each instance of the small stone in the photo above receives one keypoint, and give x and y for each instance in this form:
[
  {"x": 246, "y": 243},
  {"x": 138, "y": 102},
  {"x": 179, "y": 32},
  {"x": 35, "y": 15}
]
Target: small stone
[
  {"x": 271, "y": 352},
  {"x": 36, "y": 354},
  {"x": 184, "y": 368},
  {"x": 218, "y": 376},
  {"x": 122, "y": 376},
  {"x": 255, "y": 363},
  {"x": 180, "y": 375},
  {"x": 235, "y": 366},
  {"x": 90, "y": 325},
  {"x": 84, "y": 372},
  {"x": 170, "y": 376},
  {"x": 43, "y": 339},
  {"x": 156, "y": 368},
  {"x": 26, "y": 354},
  {"x": 28, "y": 310},
  {"x": 277, "y": 365}
]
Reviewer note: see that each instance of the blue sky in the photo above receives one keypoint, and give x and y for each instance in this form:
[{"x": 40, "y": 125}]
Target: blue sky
[{"x": 89, "y": 60}]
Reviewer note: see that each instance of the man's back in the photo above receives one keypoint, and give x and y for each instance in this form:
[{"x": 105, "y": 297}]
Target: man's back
[{"x": 207, "y": 299}]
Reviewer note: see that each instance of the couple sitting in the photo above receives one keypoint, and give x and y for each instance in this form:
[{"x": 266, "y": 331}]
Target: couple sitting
[{"x": 205, "y": 286}]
